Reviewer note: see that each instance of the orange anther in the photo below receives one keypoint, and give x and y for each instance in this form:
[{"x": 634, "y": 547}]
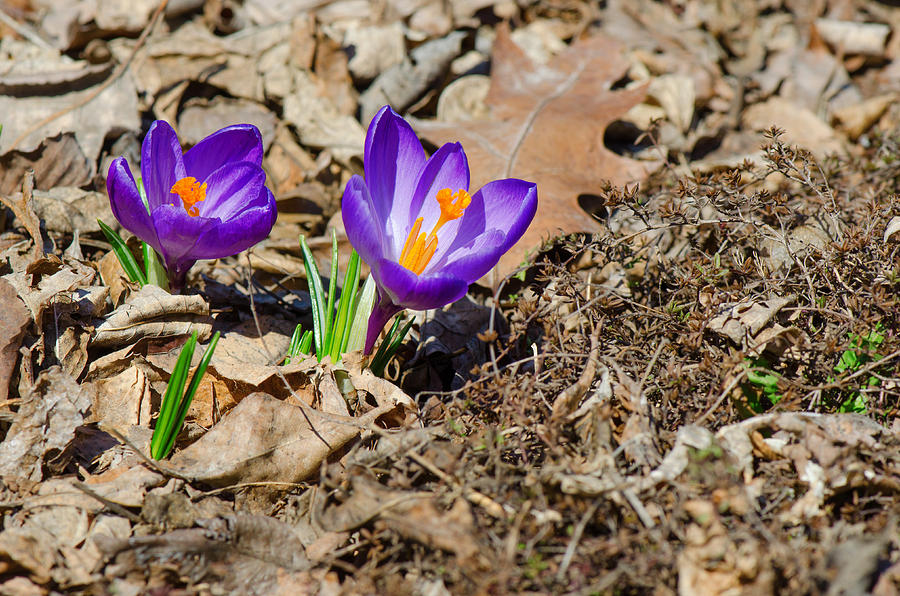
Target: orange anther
[
  {"x": 420, "y": 248},
  {"x": 191, "y": 193}
]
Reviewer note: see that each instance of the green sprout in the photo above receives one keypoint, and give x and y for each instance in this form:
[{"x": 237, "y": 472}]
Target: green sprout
[
  {"x": 761, "y": 384},
  {"x": 340, "y": 325},
  {"x": 860, "y": 351},
  {"x": 176, "y": 401}
]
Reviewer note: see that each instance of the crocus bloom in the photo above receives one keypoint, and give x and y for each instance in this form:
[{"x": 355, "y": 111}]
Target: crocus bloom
[
  {"x": 207, "y": 203},
  {"x": 413, "y": 221}
]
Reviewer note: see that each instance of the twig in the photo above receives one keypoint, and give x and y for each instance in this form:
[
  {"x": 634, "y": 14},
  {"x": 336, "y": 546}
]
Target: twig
[
  {"x": 725, "y": 393},
  {"x": 118, "y": 72},
  {"x": 111, "y": 505},
  {"x": 240, "y": 485},
  {"x": 24, "y": 30},
  {"x": 573, "y": 543}
]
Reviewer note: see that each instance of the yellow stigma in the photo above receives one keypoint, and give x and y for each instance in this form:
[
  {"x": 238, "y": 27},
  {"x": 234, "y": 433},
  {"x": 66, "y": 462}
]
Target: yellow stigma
[
  {"x": 419, "y": 247},
  {"x": 191, "y": 193}
]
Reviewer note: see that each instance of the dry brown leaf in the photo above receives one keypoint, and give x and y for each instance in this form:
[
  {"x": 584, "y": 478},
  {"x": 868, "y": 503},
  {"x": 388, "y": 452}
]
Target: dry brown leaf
[
  {"x": 14, "y": 320},
  {"x": 153, "y": 312},
  {"x": 57, "y": 161},
  {"x": 45, "y": 424},
  {"x": 22, "y": 206},
  {"x": 65, "y": 209},
  {"x": 892, "y": 228},
  {"x": 547, "y": 125},
  {"x": 70, "y": 349},
  {"x": 850, "y": 37},
  {"x": 714, "y": 563},
  {"x": 264, "y": 439},
  {"x": 123, "y": 400},
  {"x": 200, "y": 119},
  {"x": 856, "y": 119},
  {"x": 115, "y": 108}
]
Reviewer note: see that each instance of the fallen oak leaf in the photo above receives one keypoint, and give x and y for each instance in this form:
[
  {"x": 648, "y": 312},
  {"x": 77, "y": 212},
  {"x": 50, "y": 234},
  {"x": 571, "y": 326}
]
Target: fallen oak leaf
[
  {"x": 546, "y": 125},
  {"x": 267, "y": 440}
]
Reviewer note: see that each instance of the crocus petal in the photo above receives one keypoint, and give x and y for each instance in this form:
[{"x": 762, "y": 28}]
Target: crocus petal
[
  {"x": 471, "y": 262},
  {"x": 392, "y": 161},
  {"x": 230, "y": 189},
  {"x": 162, "y": 164},
  {"x": 238, "y": 233},
  {"x": 508, "y": 205},
  {"x": 126, "y": 204},
  {"x": 447, "y": 168},
  {"x": 178, "y": 233},
  {"x": 419, "y": 292},
  {"x": 241, "y": 142},
  {"x": 363, "y": 228}
]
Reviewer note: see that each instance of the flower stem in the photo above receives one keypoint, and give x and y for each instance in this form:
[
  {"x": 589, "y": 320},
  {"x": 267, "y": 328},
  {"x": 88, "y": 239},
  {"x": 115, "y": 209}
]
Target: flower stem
[{"x": 381, "y": 314}]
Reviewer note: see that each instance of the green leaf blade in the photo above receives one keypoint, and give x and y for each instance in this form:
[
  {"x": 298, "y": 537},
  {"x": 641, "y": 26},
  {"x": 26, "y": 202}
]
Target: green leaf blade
[
  {"x": 169, "y": 407},
  {"x": 126, "y": 259},
  {"x": 316, "y": 296}
]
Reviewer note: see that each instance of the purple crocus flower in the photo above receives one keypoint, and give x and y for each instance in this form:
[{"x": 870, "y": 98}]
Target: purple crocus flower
[
  {"x": 403, "y": 196},
  {"x": 207, "y": 203}
]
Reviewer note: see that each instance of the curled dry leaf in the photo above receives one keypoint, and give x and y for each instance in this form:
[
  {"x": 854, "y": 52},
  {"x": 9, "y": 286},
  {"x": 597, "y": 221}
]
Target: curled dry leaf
[
  {"x": 856, "y": 119},
  {"x": 741, "y": 322},
  {"x": 891, "y": 229},
  {"x": 57, "y": 161},
  {"x": 44, "y": 424},
  {"x": 22, "y": 205},
  {"x": 152, "y": 312},
  {"x": 65, "y": 209},
  {"x": 540, "y": 113},
  {"x": 801, "y": 126},
  {"x": 850, "y": 37},
  {"x": 716, "y": 563},
  {"x": 14, "y": 320},
  {"x": 50, "y": 283},
  {"x": 265, "y": 439},
  {"x": 115, "y": 108}
]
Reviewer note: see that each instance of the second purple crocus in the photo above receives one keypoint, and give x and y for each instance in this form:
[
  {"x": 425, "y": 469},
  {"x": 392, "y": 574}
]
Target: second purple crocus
[
  {"x": 413, "y": 221},
  {"x": 208, "y": 203}
]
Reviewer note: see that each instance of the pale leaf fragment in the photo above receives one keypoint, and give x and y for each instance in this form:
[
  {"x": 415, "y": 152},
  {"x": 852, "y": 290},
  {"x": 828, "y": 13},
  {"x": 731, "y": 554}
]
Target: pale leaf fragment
[
  {"x": 850, "y": 37},
  {"x": 892, "y": 228},
  {"x": 741, "y": 322},
  {"x": 856, "y": 119}
]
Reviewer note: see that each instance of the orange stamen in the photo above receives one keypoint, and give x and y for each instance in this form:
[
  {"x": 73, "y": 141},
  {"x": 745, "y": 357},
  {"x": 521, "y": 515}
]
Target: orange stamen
[
  {"x": 410, "y": 240},
  {"x": 420, "y": 248},
  {"x": 426, "y": 256},
  {"x": 191, "y": 193}
]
